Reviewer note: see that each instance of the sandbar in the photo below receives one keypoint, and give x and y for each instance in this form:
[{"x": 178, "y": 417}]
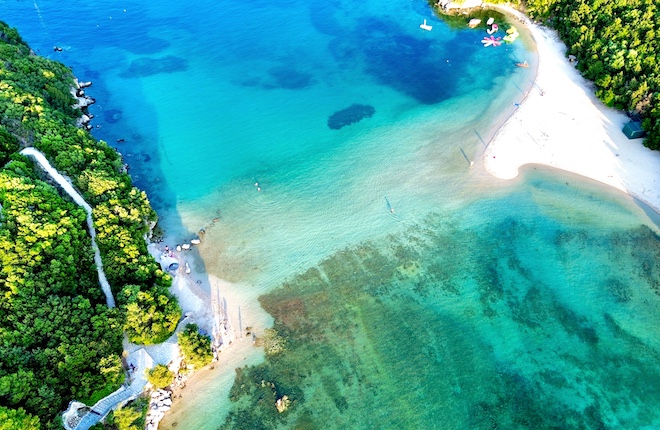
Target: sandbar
[{"x": 560, "y": 123}]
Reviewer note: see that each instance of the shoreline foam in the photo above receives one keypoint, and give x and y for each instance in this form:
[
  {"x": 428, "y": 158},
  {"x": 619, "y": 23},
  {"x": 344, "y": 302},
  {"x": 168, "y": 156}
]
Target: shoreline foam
[{"x": 561, "y": 124}]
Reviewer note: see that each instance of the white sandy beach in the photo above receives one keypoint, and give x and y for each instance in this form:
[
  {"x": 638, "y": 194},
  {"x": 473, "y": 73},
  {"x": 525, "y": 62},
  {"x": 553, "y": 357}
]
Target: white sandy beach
[
  {"x": 562, "y": 124},
  {"x": 211, "y": 313}
]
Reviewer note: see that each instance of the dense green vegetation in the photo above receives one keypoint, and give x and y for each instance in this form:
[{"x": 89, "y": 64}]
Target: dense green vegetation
[
  {"x": 195, "y": 347},
  {"x": 8, "y": 145},
  {"x": 58, "y": 339},
  {"x": 151, "y": 316},
  {"x": 616, "y": 44}
]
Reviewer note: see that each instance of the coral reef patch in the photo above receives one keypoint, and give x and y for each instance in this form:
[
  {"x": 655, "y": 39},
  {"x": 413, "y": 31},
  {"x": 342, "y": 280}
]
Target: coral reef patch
[{"x": 468, "y": 314}]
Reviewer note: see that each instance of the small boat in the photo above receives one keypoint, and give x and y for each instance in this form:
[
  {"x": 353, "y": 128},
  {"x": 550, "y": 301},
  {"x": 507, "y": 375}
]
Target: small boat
[
  {"x": 523, "y": 64},
  {"x": 425, "y": 26},
  {"x": 187, "y": 268},
  {"x": 474, "y": 22}
]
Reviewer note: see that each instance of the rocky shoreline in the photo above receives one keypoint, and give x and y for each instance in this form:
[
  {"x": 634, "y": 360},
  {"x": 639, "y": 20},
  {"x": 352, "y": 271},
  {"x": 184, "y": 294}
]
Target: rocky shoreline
[
  {"x": 83, "y": 102},
  {"x": 160, "y": 402}
]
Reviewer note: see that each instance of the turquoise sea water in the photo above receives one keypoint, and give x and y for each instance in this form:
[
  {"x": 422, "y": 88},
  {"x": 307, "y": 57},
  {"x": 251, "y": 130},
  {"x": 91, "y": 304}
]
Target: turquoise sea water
[{"x": 477, "y": 303}]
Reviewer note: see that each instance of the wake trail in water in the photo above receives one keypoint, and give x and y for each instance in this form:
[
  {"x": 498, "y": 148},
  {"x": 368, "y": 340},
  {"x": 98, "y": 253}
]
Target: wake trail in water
[{"x": 41, "y": 18}]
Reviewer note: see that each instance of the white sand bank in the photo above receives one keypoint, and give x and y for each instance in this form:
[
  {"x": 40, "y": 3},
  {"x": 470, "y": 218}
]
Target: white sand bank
[
  {"x": 562, "y": 124},
  {"x": 194, "y": 301},
  {"x": 195, "y": 305}
]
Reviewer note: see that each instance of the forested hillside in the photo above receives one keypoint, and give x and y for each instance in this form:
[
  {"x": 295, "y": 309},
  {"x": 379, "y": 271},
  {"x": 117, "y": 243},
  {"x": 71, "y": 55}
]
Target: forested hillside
[
  {"x": 616, "y": 43},
  {"x": 58, "y": 339}
]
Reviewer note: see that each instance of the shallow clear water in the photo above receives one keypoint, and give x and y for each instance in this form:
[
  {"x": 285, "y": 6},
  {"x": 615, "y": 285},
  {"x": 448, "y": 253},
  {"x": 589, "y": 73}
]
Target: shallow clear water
[
  {"x": 477, "y": 302},
  {"x": 534, "y": 309}
]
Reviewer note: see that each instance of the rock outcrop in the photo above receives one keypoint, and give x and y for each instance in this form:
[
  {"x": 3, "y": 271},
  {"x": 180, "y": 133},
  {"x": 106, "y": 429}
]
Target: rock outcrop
[
  {"x": 161, "y": 402},
  {"x": 83, "y": 101}
]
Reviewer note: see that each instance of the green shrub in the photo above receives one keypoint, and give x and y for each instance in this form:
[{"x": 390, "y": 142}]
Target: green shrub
[{"x": 160, "y": 376}]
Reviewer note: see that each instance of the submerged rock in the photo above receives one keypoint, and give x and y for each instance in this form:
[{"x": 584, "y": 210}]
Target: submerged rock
[
  {"x": 112, "y": 115},
  {"x": 288, "y": 78},
  {"x": 152, "y": 66},
  {"x": 282, "y": 404},
  {"x": 352, "y": 114}
]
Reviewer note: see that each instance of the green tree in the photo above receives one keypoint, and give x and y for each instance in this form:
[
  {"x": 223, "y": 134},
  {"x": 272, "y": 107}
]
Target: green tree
[
  {"x": 8, "y": 145},
  {"x": 195, "y": 347},
  {"x": 129, "y": 417},
  {"x": 17, "y": 419},
  {"x": 151, "y": 316},
  {"x": 160, "y": 376},
  {"x": 111, "y": 368}
]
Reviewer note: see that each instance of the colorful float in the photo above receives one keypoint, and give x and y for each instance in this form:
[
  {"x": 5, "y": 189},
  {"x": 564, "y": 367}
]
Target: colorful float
[
  {"x": 493, "y": 28},
  {"x": 511, "y": 34},
  {"x": 492, "y": 40}
]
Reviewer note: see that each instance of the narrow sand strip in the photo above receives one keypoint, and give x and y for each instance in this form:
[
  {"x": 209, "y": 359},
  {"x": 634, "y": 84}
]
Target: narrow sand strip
[{"x": 562, "y": 124}]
